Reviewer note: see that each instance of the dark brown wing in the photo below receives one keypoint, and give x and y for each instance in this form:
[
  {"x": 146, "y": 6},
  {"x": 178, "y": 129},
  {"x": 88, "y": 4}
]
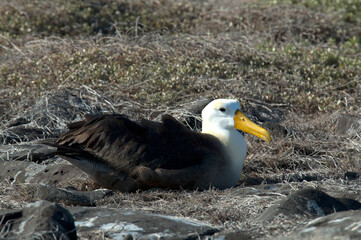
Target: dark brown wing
[
  {"x": 124, "y": 144},
  {"x": 112, "y": 146}
]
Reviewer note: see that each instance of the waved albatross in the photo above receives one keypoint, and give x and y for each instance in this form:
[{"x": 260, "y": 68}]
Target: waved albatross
[{"x": 125, "y": 155}]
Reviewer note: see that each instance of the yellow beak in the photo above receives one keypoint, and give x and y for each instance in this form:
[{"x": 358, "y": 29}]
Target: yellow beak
[{"x": 241, "y": 122}]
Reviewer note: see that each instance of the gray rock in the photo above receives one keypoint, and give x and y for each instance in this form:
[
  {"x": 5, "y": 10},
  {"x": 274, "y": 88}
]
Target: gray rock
[
  {"x": 118, "y": 224},
  {"x": 352, "y": 175},
  {"x": 247, "y": 180},
  {"x": 310, "y": 202},
  {"x": 15, "y": 171},
  {"x": 238, "y": 235},
  {"x": 342, "y": 225},
  {"x": 277, "y": 131},
  {"x": 262, "y": 112},
  {"x": 196, "y": 107},
  {"x": 39, "y": 220},
  {"x": 31, "y": 151},
  {"x": 346, "y": 123},
  {"x": 29, "y": 172},
  {"x": 62, "y": 174},
  {"x": 71, "y": 197}
]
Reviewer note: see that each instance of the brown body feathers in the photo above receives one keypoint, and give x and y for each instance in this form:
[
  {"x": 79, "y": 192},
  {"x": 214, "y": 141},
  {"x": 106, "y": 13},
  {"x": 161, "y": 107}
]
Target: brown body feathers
[{"x": 125, "y": 155}]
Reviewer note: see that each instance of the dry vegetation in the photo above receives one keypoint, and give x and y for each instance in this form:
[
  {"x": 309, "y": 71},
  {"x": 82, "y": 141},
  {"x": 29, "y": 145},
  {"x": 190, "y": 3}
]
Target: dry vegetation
[{"x": 300, "y": 57}]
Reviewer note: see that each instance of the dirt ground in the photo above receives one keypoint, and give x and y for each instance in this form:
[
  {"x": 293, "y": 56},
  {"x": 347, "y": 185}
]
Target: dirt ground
[{"x": 295, "y": 66}]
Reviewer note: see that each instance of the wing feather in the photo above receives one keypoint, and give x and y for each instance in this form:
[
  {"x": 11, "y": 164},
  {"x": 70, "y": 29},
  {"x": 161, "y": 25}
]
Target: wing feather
[{"x": 124, "y": 146}]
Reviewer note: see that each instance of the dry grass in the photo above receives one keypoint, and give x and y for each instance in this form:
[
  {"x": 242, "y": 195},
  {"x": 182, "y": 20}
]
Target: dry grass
[
  {"x": 227, "y": 209},
  {"x": 283, "y": 54},
  {"x": 300, "y": 62},
  {"x": 313, "y": 145},
  {"x": 231, "y": 209}
]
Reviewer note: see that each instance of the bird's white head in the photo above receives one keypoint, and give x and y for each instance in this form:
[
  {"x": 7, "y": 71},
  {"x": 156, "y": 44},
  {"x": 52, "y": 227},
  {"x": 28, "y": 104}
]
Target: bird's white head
[
  {"x": 221, "y": 118},
  {"x": 218, "y": 115},
  {"x": 225, "y": 115}
]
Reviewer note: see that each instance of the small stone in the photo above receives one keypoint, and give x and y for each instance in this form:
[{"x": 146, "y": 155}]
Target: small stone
[
  {"x": 70, "y": 197},
  {"x": 351, "y": 175},
  {"x": 341, "y": 225},
  {"x": 347, "y": 123},
  {"x": 39, "y": 220},
  {"x": 310, "y": 202}
]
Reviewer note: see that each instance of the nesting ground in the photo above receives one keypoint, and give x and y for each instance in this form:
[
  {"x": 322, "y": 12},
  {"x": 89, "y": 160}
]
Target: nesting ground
[{"x": 292, "y": 64}]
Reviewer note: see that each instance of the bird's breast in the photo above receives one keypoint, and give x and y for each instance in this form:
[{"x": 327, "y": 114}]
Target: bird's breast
[{"x": 235, "y": 153}]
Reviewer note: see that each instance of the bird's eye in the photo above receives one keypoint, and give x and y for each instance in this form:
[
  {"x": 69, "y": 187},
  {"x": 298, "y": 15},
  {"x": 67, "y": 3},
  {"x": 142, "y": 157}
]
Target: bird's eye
[{"x": 222, "y": 109}]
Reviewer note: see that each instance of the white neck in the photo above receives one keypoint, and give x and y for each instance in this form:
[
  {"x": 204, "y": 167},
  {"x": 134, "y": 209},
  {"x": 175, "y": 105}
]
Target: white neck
[{"x": 236, "y": 148}]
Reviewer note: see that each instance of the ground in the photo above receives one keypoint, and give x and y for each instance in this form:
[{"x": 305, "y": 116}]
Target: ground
[{"x": 293, "y": 65}]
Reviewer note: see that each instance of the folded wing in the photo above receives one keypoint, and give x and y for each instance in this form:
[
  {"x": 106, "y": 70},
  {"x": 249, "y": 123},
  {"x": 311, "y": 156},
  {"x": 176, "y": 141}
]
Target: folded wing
[{"x": 122, "y": 154}]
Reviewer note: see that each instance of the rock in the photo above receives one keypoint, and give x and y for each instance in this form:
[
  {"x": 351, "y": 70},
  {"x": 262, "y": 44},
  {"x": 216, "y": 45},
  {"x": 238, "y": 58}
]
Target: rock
[
  {"x": 31, "y": 151},
  {"x": 351, "y": 175},
  {"x": 247, "y": 180},
  {"x": 262, "y": 112},
  {"x": 238, "y": 235},
  {"x": 39, "y": 220},
  {"x": 71, "y": 197},
  {"x": 277, "y": 131},
  {"x": 196, "y": 107},
  {"x": 28, "y": 172},
  {"x": 120, "y": 224},
  {"x": 341, "y": 225},
  {"x": 310, "y": 202},
  {"x": 15, "y": 171},
  {"x": 61, "y": 174},
  {"x": 346, "y": 123}
]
